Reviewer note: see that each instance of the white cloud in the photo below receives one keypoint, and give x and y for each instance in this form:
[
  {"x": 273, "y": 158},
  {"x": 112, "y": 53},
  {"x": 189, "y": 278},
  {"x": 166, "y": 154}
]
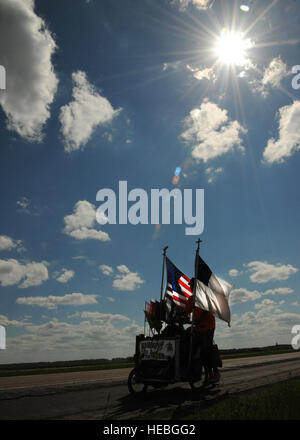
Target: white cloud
[
  {"x": 51, "y": 301},
  {"x": 211, "y": 132},
  {"x": 279, "y": 291},
  {"x": 54, "y": 339},
  {"x": 263, "y": 82},
  {"x": 212, "y": 173},
  {"x": 288, "y": 142},
  {"x": 6, "y": 322},
  {"x": 65, "y": 276},
  {"x": 12, "y": 272},
  {"x": 106, "y": 270},
  {"x": 123, "y": 269},
  {"x": 206, "y": 73},
  {"x": 266, "y": 303},
  {"x": 80, "y": 224},
  {"x": 274, "y": 73},
  {"x": 199, "y": 4},
  {"x": 126, "y": 280},
  {"x": 296, "y": 304},
  {"x": 262, "y": 272},
  {"x": 233, "y": 272},
  {"x": 35, "y": 275},
  {"x": 7, "y": 243},
  {"x": 264, "y": 326},
  {"x": 103, "y": 317},
  {"x": 26, "y": 48},
  {"x": 80, "y": 117},
  {"x": 243, "y": 295}
]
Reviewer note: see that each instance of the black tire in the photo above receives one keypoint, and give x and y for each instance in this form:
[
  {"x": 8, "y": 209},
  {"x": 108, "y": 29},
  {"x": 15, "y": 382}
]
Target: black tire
[
  {"x": 196, "y": 385},
  {"x": 135, "y": 388}
]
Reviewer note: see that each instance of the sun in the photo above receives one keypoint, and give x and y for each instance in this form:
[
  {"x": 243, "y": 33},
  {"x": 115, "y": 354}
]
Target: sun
[{"x": 231, "y": 48}]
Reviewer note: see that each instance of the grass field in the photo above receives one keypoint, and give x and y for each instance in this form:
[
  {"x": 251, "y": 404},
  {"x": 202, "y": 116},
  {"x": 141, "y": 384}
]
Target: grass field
[{"x": 280, "y": 401}]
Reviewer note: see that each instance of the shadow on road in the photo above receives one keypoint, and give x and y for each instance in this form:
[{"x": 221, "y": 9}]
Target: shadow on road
[{"x": 173, "y": 401}]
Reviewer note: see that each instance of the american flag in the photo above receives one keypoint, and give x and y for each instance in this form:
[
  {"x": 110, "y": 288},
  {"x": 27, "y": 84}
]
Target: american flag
[{"x": 178, "y": 289}]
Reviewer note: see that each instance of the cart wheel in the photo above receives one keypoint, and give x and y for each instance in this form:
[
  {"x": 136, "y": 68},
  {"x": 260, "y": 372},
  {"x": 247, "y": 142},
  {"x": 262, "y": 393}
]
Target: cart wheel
[
  {"x": 196, "y": 385},
  {"x": 133, "y": 386}
]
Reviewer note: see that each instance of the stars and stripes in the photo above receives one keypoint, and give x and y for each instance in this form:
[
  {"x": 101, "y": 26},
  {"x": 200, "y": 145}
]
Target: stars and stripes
[{"x": 178, "y": 289}]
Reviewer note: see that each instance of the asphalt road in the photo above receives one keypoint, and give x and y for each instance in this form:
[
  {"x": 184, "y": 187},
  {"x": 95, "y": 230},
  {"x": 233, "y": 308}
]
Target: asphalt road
[{"x": 103, "y": 395}]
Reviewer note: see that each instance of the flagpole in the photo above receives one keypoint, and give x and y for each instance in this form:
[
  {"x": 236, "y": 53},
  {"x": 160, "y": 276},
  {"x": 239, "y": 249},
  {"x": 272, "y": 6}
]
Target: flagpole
[
  {"x": 194, "y": 298},
  {"x": 145, "y": 320},
  {"x": 162, "y": 278},
  {"x": 163, "y": 272}
]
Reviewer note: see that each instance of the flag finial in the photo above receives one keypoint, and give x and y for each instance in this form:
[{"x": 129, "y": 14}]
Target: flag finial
[
  {"x": 198, "y": 243},
  {"x": 165, "y": 249}
]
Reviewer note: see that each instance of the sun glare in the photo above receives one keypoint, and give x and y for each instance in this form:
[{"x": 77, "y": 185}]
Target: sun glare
[{"x": 231, "y": 47}]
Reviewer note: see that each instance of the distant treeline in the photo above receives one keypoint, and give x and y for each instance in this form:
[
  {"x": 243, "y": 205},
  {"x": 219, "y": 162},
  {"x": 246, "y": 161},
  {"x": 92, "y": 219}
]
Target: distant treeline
[
  {"x": 277, "y": 347},
  {"x": 86, "y": 362},
  {"x": 62, "y": 364}
]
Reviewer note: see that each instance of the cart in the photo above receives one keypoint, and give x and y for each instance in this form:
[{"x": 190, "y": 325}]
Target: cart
[
  {"x": 176, "y": 356},
  {"x": 160, "y": 361}
]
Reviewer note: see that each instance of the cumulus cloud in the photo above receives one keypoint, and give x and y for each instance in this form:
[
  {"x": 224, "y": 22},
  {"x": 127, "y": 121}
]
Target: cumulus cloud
[
  {"x": 65, "y": 276},
  {"x": 211, "y": 132},
  {"x": 32, "y": 274},
  {"x": 35, "y": 275},
  {"x": 8, "y": 243},
  {"x": 266, "y": 303},
  {"x": 106, "y": 270},
  {"x": 51, "y": 301},
  {"x": 233, "y": 272},
  {"x": 6, "y": 322},
  {"x": 98, "y": 317},
  {"x": 274, "y": 73},
  {"x": 26, "y": 48},
  {"x": 279, "y": 291},
  {"x": 243, "y": 295},
  {"x": 55, "y": 339},
  {"x": 80, "y": 224},
  {"x": 80, "y": 117},
  {"x": 125, "y": 279},
  {"x": 288, "y": 141},
  {"x": 199, "y": 4},
  {"x": 206, "y": 73},
  {"x": 262, "y": 272},
  {"x": 270, "y": 78}
]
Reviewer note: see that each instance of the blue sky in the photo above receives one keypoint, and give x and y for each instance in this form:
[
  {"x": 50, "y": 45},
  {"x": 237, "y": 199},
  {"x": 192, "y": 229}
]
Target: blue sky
[{"x": 103, "y": 91}]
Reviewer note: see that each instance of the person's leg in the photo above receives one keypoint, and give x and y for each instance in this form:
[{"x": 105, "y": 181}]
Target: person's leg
[
  {"x": 206, "y": 362},
  {"x": 216, "y": 373}
]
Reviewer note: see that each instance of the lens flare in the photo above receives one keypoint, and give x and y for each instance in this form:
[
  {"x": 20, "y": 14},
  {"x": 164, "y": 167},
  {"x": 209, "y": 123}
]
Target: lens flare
[{"x": 245, "y": 8}]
